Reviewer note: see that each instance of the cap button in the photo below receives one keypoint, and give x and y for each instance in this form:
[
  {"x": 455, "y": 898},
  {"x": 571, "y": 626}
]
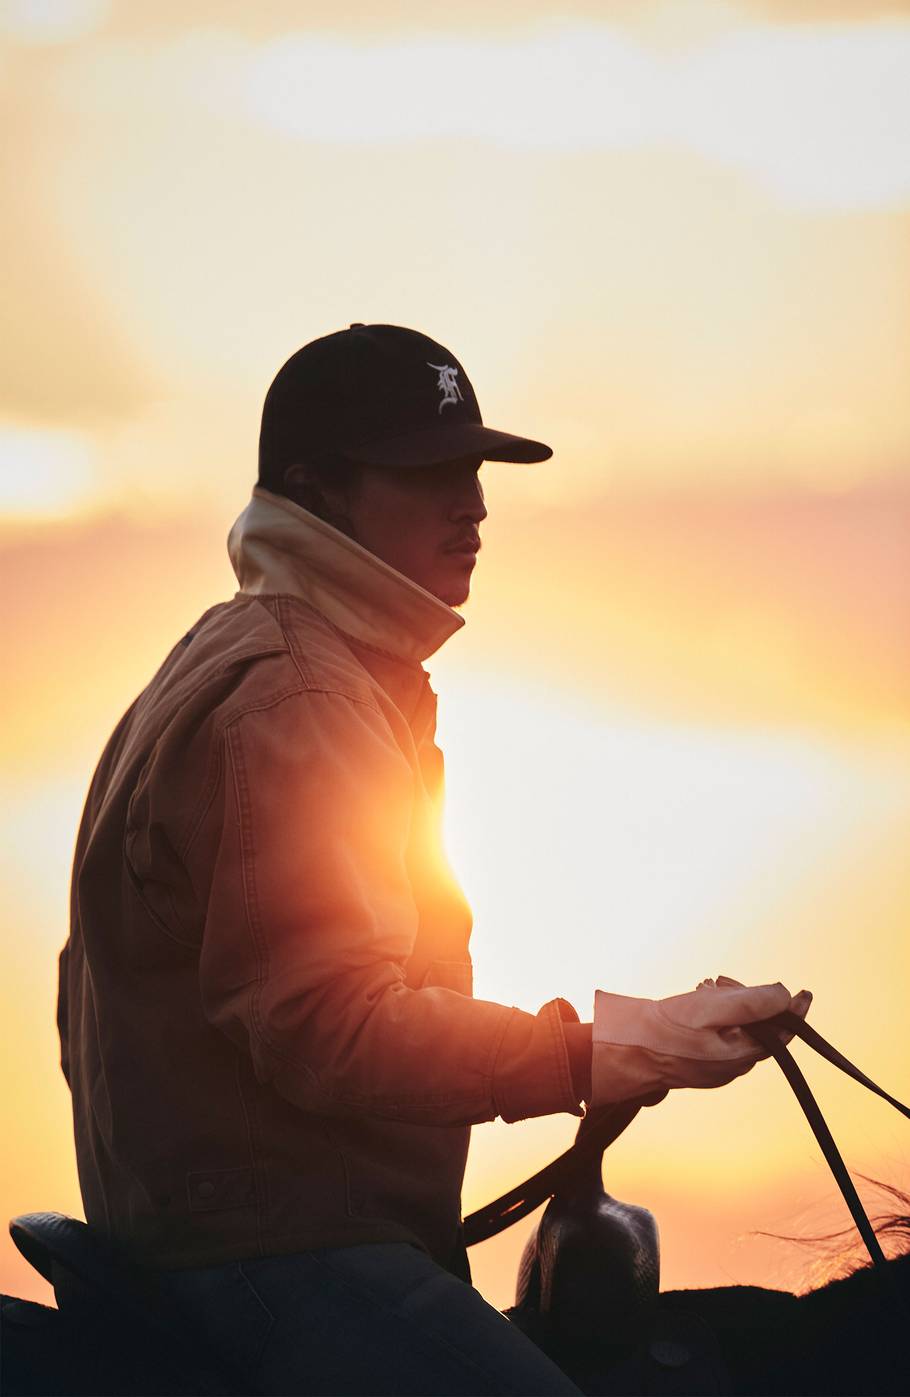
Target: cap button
[{"x": 357, "y": 325}]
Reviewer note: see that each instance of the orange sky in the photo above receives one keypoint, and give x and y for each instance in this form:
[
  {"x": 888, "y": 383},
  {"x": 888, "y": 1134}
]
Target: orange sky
[{"x": 672, "y": 240}]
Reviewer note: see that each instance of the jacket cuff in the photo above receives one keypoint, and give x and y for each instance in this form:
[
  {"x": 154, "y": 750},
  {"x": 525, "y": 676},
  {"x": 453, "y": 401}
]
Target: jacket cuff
[{"x": 531, "y": 1074}]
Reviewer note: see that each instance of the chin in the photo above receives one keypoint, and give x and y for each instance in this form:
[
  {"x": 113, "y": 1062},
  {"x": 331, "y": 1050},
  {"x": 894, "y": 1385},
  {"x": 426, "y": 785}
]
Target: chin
[
  {"x": 451, "y": 597},
  {"x": 454, "y": 591}
]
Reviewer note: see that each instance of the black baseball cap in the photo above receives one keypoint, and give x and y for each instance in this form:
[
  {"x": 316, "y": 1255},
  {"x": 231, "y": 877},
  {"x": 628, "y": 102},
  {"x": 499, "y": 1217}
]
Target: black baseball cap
[{"x": 380, "y": 395}]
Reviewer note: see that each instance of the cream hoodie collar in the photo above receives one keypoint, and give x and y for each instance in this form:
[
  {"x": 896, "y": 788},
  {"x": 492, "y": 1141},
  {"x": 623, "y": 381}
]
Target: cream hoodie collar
[{"x": 276, "y": 546}]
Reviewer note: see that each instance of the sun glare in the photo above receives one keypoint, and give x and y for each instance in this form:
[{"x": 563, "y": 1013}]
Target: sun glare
[
  {"x": 593, "y": 845},
  {"x": 44, "y": 473}
]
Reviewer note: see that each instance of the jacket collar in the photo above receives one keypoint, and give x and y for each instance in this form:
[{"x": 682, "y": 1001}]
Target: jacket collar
[{"x": 277, "y": 547}]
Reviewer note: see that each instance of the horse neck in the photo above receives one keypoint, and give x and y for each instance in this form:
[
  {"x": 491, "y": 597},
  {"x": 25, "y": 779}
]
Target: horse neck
[{"x": 587, "y": 1176}]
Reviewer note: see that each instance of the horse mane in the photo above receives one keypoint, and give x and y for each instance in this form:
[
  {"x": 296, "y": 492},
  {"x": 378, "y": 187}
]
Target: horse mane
[{"x": 840, "y": 1253}]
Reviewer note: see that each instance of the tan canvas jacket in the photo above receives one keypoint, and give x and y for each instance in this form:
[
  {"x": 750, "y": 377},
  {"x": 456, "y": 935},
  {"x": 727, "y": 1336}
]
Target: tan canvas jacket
[{"x": 265, "y": 1000}]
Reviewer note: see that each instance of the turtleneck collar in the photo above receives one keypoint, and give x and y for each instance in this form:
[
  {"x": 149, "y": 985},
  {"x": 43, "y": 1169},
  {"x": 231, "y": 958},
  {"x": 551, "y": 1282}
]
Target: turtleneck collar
[{"x": 277, "y": 547}]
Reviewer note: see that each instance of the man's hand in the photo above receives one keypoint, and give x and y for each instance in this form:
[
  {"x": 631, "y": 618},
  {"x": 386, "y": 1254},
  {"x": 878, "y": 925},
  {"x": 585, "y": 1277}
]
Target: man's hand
[
  {"x": 799, "y": 1004},
  {"x": 645, "y": 1047}
]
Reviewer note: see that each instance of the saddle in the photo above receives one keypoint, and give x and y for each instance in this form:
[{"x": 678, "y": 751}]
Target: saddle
[
  {"x": 588, "y": 1293},
  {"x": 112, "y": 1332}
]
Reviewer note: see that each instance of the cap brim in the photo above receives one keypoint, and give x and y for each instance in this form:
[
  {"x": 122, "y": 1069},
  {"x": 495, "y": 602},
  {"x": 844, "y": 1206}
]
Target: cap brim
[{"x": 433, "y": 445}]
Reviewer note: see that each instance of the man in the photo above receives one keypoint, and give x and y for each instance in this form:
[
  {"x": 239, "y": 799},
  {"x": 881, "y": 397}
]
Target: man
[{"x": 265, "y": 1009}]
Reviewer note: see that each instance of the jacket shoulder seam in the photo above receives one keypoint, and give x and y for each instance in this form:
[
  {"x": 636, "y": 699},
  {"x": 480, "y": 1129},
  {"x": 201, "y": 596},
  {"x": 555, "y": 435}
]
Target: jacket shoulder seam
[
  {"x": 272, "y": 701},
  {"x": 350, "y": 642},
  {"x": 297, "y": 660}
]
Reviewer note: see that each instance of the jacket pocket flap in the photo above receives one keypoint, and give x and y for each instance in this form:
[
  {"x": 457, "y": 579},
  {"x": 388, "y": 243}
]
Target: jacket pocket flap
[{"x": 211, "y": 1189}]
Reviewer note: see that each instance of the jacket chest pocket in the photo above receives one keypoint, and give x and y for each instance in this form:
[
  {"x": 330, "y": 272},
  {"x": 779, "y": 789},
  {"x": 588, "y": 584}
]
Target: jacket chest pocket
[{"x": 455, "y": 975}]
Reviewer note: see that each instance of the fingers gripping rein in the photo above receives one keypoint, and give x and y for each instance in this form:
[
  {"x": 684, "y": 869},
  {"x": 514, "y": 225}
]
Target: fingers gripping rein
[{"x": 648, "y": 1046}]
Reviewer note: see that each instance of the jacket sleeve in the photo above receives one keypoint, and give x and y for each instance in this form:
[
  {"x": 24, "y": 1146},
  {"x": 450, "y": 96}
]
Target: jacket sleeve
[
  {"x": 311, "y": 921},
  {"x": 63, "y": 1011}
]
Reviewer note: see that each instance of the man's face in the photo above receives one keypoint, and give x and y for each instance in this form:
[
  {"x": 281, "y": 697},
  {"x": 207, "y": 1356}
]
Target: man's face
[{"x": 424, "y": 521}]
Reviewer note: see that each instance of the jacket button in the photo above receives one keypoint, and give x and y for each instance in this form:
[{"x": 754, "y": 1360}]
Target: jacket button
[{"x": 205, "y": 1189}]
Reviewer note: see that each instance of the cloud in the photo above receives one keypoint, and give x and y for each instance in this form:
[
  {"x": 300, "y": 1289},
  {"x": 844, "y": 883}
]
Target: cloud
[
  {"x": 51, "y": 21},
  {"x": 653, "y": 310},
  {"x": 100, "y": 603},
  {"x": 777, "y": 608},
  {"x": 785, "y": 610},
  {"x": 364, "y": 17},
  {"x": 65, "y": 357},
  {"x": 813, "y": 114}
]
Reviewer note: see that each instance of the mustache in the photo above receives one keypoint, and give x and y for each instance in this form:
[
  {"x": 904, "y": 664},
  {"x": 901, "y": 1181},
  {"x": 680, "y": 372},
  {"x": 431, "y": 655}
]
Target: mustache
[{"x": 471, "y": 540}]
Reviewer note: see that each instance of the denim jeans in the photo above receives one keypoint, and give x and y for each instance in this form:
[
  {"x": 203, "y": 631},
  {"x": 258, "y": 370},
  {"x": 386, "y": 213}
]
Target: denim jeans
[{"x": 380, "y": 1318}]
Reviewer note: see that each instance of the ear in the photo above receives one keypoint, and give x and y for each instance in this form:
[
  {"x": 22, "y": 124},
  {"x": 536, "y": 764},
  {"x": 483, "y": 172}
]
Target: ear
[
  {"x": 295, "y": 476},
  {"x": 306, "y": 485},
  {"x": 304, "y": 478},
  {"x": 299, "y": 484}
]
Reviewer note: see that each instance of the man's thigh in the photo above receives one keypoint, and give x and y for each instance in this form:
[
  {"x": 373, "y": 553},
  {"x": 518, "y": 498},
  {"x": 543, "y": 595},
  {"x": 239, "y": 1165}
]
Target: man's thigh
[{"x": 373, "y": 1319}]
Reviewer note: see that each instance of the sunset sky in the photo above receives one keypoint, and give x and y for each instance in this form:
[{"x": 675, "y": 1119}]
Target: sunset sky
[{"x": 671, "y": 239}]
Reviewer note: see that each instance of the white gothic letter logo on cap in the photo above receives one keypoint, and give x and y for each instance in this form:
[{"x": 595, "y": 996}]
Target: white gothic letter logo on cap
[{"x": 451, "y": 393}]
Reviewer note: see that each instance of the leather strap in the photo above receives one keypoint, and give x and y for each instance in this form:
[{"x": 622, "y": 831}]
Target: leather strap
[
  {"x": 600, "y": 1128},
  {"x": 794, "y": 1024},
  {"x": 765, "y": 1034},
  {"x": 607, "y": 1124}
]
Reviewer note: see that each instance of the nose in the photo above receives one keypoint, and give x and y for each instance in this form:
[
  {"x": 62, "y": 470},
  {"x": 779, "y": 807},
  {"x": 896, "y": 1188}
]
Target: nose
[{"x": 469, "y": 501}]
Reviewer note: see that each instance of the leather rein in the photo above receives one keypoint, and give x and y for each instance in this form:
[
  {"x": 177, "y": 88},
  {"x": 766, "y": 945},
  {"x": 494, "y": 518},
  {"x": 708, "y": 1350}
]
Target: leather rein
[{"x": 602, "y": 1126}]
